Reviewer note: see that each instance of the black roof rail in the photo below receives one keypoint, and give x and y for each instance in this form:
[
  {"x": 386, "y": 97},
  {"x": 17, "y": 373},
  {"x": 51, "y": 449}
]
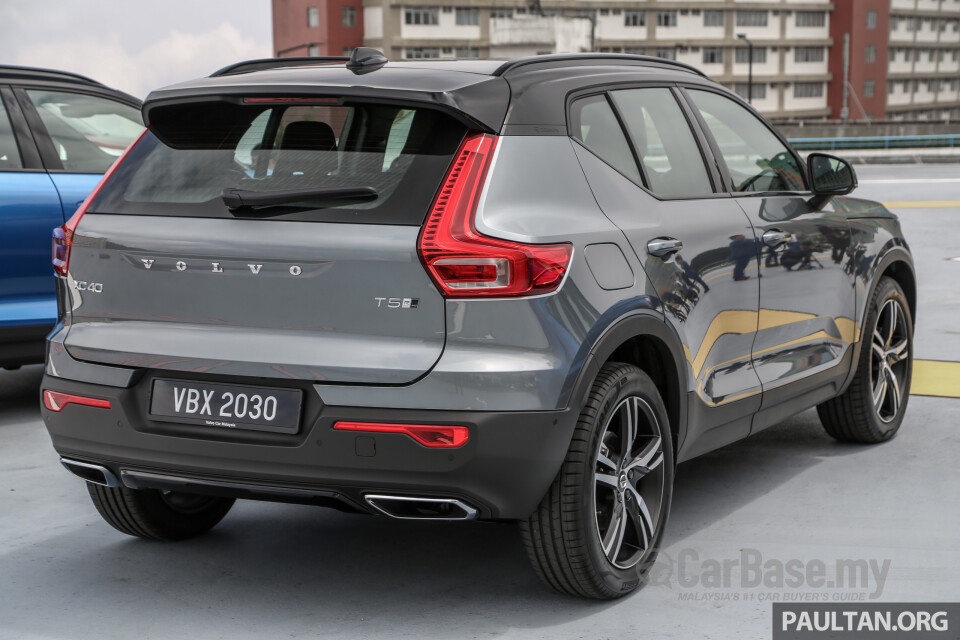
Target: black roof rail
[
  {"x": 46, "y": 74},
  {"x": 261, "y": 64},
  {"x": 576, "y": 57}
]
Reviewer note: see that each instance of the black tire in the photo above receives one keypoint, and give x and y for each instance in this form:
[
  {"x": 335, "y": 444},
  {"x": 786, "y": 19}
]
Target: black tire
[
  {"x": 158, "y": 515},
  {"x": 564, "y": 536},
  {"x": 886, "y": 357}
]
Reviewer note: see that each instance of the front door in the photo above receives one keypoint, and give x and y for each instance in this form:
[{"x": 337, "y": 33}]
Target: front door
[{"x": 807, "y": 304}]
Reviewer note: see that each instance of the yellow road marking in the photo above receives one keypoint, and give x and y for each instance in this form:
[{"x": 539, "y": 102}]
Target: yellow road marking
[
  {"x": 935, "y": 378},
  {"x": 922, "y": 204}
]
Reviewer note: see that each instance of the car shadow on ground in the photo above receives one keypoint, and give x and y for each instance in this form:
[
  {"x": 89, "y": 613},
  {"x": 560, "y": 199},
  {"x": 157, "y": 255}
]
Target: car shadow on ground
[{"x": 269, "y": 566}]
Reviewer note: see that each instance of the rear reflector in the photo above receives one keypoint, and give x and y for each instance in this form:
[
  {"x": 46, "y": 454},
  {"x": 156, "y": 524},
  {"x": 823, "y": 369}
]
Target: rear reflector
[
  {"x": 465, "y": 263},
  {"x": 429, "y": 435},
  {"x": 63, "y": 235},
  {"x": 56, "y": 401}
]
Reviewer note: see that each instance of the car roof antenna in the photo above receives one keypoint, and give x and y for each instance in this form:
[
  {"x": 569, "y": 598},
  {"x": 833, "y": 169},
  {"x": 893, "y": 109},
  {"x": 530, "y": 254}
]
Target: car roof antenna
[{"x": 366, "y": 59}]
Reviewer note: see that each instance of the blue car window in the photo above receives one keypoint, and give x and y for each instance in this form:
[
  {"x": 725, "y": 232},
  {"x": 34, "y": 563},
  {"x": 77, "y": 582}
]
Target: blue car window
[{"x": 9, "y": 153}]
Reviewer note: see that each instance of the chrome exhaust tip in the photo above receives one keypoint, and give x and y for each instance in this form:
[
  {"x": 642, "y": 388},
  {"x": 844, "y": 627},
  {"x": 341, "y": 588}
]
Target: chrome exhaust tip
[
  {"x": 94, "y": 473},
  {"x": 417, "y": 508}
]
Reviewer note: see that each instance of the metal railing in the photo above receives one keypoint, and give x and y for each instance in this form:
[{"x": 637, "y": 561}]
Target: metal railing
[{"x": 877, "y": 142}]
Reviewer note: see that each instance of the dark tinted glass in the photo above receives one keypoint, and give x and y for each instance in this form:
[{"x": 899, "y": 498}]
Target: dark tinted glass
[
  {"x": 194, "y": 152},
  {"x": 595, "y": 125}
]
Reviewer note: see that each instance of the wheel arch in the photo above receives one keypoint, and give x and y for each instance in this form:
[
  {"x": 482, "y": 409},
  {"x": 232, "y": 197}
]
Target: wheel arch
[{"x": 644, "y": 340}]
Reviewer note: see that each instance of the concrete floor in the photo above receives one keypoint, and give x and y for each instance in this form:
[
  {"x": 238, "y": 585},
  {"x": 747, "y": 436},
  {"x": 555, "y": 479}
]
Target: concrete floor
[{"x": 279, "y": 571}]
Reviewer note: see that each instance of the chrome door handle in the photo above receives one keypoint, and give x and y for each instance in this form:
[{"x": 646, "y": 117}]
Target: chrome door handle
[
  {"x": 775, "y": 238},
  {"x": 663, "y": 247}
]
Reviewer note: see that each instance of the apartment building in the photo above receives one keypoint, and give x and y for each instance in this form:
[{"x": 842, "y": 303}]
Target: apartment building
[
  {"x": 923, "y": 73},
  {"x": 798, "y": 69}
]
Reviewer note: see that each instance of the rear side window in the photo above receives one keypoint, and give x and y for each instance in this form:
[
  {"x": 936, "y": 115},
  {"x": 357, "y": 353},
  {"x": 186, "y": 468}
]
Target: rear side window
[
  {"x": 9, "y": 153},
  {"x": 594, "y": 124},
  {"x": 754, "y": 155},
  {"x": 193, "y": 152},
  {"x": 671, "y": 158},
  {"x": 88, "y": 132}
]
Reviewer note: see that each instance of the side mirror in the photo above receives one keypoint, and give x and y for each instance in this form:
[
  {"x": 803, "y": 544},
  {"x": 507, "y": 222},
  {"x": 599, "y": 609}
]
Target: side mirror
[{"x": 829, "y": 176}]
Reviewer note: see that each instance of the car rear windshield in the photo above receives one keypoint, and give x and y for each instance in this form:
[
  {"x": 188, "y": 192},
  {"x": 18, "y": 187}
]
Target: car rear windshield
[{"x": 194, "y": 152}]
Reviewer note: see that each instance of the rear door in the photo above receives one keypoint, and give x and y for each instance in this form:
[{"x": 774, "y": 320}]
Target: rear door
[
  {"x": 321, "y": 287},
  {"x": 29, "y": 210},
  {"x": 646, "y": 168},
  {"x": 807, "y": 297}
]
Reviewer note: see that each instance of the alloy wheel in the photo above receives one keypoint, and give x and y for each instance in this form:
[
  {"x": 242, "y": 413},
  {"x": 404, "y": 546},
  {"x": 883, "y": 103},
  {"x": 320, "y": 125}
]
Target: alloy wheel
[
  {"x": 889, "y": 360},
  {"x": 629, "y": 482}
]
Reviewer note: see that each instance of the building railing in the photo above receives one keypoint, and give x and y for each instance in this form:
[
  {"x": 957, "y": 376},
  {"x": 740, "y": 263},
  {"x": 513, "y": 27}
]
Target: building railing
[{"x": 876, "y": 142}]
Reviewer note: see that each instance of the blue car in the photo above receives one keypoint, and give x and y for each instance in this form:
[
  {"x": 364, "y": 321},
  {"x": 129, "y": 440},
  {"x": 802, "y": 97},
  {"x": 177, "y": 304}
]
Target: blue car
[{"x": 59, "y": 132}]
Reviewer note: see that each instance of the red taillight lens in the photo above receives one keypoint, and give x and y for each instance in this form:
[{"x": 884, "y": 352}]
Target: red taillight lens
[
  {"x": 56, "y": 401},
  {"x": 465, "y": 263},
  {"x": 63, "y": 235},
  {"x": 429, "y": 435}
]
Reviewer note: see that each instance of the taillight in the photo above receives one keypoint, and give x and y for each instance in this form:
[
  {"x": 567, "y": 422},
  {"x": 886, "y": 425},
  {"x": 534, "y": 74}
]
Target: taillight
[
  {"x": 465, "y": 263},
  {"x": 56, "y": 401},
  {"x": 63, "y": 235},
  {"x": 429, "y": 435}
]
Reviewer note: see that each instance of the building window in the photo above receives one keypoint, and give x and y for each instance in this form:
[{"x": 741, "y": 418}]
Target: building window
[
  {"x": 893, "y": 55},
  {"x": 634, "y": 18},
  {"x": 808, "y": 54},
  {"x": 502, "y": 12},
  {"x": 313, "y": 51},
  {"x": 468, "y": 17},
  {"x": 712, "y": 55},
  {"x": 422, "y": 15},
  {"x": 742, "y": 55},
  {"x": 811, "y": 19},
  {"x": 667, "y": 18},
  {"x": 468, "y": 52},
  {"x": 871, "y": 19},
  {"x": 635, "y": 51},
  {"x": 751, "y": 18},
  {"x": 890, "y": 88},
  {"x": 808, "y": 90},
  {"x": 313, "y": 17},
  {"x": 667, "y": 53},
  {"x": 931, "y": 55},
  {"x": 931, "y": 86},
  {"x": 870, "y": 53},
  {"x": 348, "y": 16},
  {"x": 712, "y": 18},
  {"x": 421, "y": 53},
  {"x": 743, "y": 90},
  {"x": 868, "y": 88}
]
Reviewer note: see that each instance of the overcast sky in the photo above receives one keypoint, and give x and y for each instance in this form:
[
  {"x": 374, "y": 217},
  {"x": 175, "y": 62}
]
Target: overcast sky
[{"x": 134, "y": 45}]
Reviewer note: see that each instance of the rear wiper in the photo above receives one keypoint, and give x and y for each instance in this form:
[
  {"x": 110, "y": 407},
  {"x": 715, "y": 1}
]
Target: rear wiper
[{"x": 320, "y": 197}]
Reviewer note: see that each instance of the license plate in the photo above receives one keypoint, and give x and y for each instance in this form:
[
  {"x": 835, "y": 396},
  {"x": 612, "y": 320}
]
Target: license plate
[{"x": 227, "y": 406}]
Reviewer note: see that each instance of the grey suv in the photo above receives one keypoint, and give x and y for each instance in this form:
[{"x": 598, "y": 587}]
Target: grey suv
[{"x": 516, "y": 291}]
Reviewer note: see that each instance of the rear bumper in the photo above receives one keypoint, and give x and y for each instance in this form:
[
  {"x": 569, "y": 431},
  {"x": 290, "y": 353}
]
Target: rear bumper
[{"x": 502, "y": 471}]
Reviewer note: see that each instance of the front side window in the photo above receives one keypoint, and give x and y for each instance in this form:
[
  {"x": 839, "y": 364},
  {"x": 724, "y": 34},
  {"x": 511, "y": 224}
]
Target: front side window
[
  {"x": 755, "y": 157},
  {"x": 88, "y": 132},
  {"x": 594, "y": 124},
  {"x": 671, "y": 159}
]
